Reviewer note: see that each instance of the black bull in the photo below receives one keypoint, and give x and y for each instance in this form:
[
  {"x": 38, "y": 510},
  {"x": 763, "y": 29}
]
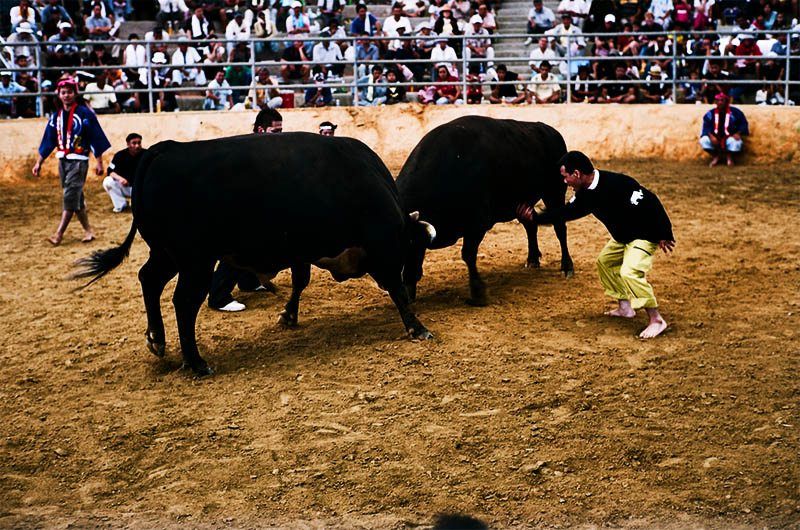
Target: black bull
[
  {"x": 468, "y": 174},
  {"x": 263, "y": 203}
]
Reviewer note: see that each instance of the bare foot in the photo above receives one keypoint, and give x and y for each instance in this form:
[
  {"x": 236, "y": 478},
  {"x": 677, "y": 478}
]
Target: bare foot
[
  {"x": 730, "y": 161},
  {"x": 654, "y": 329},
  {"x": 88, "y": 237},
  {"x": 621, "y": 312},
  {"x": 714, "y": 161},
  {"x": 54, "y": 240}
]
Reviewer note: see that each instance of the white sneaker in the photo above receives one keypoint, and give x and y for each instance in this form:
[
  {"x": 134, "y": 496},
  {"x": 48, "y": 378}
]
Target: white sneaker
[
  {"x": 528, "y": 41},
  {"x": 233, "y": 307}
]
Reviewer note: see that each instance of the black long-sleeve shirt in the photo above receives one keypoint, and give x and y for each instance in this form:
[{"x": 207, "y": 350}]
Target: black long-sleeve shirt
[
  {"x": 627, "y": 209},
  {"x": 124, "y": 164}
]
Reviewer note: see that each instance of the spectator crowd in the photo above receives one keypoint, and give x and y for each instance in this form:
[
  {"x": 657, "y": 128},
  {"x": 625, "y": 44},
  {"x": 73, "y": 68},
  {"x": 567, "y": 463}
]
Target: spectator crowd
[{"x": 419, "y": 49}]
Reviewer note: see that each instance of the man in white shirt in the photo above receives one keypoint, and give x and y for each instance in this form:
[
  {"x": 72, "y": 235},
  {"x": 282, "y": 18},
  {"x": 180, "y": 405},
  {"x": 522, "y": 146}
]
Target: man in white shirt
[
  {"x": 219, "y": 95},
  {"x": 444, "y": 54},
  {"x": 540, "y": 19},
  {"x": 545, "y": 51},
  {"x": 489, "y": 23},
  {"x": 478, "y": 44},
  {"x": 182, "y": 59},
  {"x": 542, "y": 88},
  {"x": 578, "y": 9},
  {"x": 563, "y": 44},
  {"x": 393, "y": 23},
  {"x": 297, "y": 21},
  {"x": 199, "y": 24},
  {"x": 662, "y": 11},
  {"x": 236, "y": 30},
  {"x": 100, "y": 95},
  {"x": 327, "y": 53}
]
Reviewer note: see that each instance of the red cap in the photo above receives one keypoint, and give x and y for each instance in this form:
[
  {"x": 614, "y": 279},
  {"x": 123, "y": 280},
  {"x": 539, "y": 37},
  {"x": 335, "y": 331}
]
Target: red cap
[{"x": 67, "y": 81}]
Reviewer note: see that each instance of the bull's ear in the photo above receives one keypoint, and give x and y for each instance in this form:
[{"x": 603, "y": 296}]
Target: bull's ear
[{"x": 414, "y": 216}]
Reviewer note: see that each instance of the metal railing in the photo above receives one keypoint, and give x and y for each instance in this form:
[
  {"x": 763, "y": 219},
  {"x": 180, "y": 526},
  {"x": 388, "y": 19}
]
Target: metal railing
[{"x": 353, "y": 85}]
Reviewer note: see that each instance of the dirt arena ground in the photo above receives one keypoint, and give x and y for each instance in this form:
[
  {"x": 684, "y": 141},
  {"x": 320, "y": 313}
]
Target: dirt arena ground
[{"x": 532, "y": 412}]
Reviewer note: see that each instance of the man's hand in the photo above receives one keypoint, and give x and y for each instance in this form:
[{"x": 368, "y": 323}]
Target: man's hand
[
  {"x": 37, "y": 168},
  {"x": 526, "y": 213},
  {"x": 666, "y": 245},
  {"x": 99, "y": 170}
]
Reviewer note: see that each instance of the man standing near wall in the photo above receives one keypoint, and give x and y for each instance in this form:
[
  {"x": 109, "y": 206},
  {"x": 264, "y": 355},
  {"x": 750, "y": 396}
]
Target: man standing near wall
[{"x": 638, "y": 224}]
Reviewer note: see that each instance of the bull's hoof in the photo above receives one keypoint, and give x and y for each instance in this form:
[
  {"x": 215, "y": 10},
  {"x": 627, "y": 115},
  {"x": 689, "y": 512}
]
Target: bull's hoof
[
  {"x": 567, "y": 268},
  {"x": 532, "y": 264},
  {"x": 287, "y": 319},
  {"x": 200, "y": 369},
  {"x": 477, "y": 301},
  {"x": 421, "y": 333},
  {"x": 569, "y": 274},
  {"x": 156, "y": 348}
]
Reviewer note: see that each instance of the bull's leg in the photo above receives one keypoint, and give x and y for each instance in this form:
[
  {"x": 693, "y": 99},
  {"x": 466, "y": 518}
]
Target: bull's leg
[
  {"x": 154, "y": 275},
  {"x": 192, "y": 289},
  {"x": 567, "y": 266},
  {"x": 301, "y": 275},
  {"x": 534, "y": 254},
  {"x": 412, "y": 270},
  {"x": 552, "y": 203},
  {"x": 469, "y": 253},
  {"x": 397, "y": 291}
]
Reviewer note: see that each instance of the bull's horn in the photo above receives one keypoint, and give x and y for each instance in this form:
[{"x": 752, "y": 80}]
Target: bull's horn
[
  {"x": 414, "y": 216},
  {"x": 430, "y": 230}
]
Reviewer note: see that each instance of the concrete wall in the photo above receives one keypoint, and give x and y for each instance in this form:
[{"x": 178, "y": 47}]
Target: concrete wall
[{"x": 602, "y": 131}]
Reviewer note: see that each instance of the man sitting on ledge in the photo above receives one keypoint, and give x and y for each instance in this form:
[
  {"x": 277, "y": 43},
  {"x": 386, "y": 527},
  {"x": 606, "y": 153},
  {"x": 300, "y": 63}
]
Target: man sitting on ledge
[{"x": 723, "y": 128}]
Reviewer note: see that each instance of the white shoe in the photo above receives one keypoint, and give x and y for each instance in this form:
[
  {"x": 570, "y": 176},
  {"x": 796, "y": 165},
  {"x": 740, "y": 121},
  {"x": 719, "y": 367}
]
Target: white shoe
[
  {"x": 528, "y": 41},
  {"x": 233, "y": 307}
]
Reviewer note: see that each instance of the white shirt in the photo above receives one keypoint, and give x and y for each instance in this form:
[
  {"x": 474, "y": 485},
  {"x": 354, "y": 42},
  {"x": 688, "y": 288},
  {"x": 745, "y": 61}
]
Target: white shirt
[
  {"x": 148, "y": 37},
  {"x": 542, "y": 88},
  {"x": 199, "y": 29},
  {"x": 191, "y": 56},
  {"x": 16, "y": 18},
  {"x": 100, "y": 101},
  {"x": 135, "y": 55},
  {"x": 172, "y": 6},
  {"x": 222, "y": 91},
  {"x": 234, "y": 31},
  {"x": 301, "y": 22},
  {"x": 660, "y": 8},
  {"x": 537, "y": 56},
  {"x": 574, "y": 6},
  {"x": 390, "y": 26},
  {"x": 560, "y": 30},
  {"x": 438, "y": 55},
  {"x": 595, "y": 180},
  {"x": 545, "y": 19},
  {"x": 328, "y": 55}
]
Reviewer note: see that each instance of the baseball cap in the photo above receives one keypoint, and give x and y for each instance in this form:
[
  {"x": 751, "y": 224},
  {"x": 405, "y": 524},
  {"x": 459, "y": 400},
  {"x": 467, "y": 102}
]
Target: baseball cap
[
  {"x": 24, "y": 27},
  {"x": 64, "y": 25},
  {"x": 655, "y": 69},
  {"x": 296, "y": 4},
  {"x": 610, "y": 18},
  {"x": 5, "y": 73},
  {"x": 476, "y": 19},
  {"x": 159, "y": 58}
]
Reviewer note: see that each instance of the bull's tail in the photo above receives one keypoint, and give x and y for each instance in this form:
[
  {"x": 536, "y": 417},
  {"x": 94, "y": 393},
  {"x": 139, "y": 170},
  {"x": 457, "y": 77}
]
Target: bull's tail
[{"x": 101, "y": 262}]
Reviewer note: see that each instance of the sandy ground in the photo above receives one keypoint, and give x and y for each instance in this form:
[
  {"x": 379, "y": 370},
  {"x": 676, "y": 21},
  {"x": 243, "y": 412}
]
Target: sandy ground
[{"x": 532, "y": 412}]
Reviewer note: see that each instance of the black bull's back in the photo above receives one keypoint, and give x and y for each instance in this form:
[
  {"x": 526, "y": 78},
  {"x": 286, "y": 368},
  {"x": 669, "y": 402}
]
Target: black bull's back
[
  {"x": 267, "y": 200},
  {"x": 263, "y": 203},
  {"x": 468, "y": 174}
]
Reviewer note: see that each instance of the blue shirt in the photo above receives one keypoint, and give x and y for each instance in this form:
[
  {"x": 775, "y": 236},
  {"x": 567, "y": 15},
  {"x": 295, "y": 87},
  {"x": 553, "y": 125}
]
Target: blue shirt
[
  {"x": 357, "y": 25},
  {"x": 86, "y": 135},
  {"x": 12, "y": 88}
]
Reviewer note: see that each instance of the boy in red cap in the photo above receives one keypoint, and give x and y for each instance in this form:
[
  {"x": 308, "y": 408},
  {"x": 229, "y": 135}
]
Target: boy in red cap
[{"x": 73, "y": 131}]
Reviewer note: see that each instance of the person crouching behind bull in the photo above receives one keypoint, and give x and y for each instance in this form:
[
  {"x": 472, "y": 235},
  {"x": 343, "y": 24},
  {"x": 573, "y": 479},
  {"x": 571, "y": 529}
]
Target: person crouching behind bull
[
  {"x": 638, "y": 224},
  {"x": 73, "y": 131},
  {"x": 723, "y": 128},
  {"x": 327, "y": 128},
  {"x": 226, "y": 277},
  {"x": 119, "y": 182}
]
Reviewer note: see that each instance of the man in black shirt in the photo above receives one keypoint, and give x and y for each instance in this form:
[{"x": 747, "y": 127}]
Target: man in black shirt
[
  {"x": 226, "y": 277},
  {"x": 638, "y": 224},
  {"x": 121, "y": 171}
]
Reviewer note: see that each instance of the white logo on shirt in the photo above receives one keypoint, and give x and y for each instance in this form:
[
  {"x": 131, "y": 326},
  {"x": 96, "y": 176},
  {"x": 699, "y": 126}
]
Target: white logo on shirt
[{"x": 636, "y": 196}]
